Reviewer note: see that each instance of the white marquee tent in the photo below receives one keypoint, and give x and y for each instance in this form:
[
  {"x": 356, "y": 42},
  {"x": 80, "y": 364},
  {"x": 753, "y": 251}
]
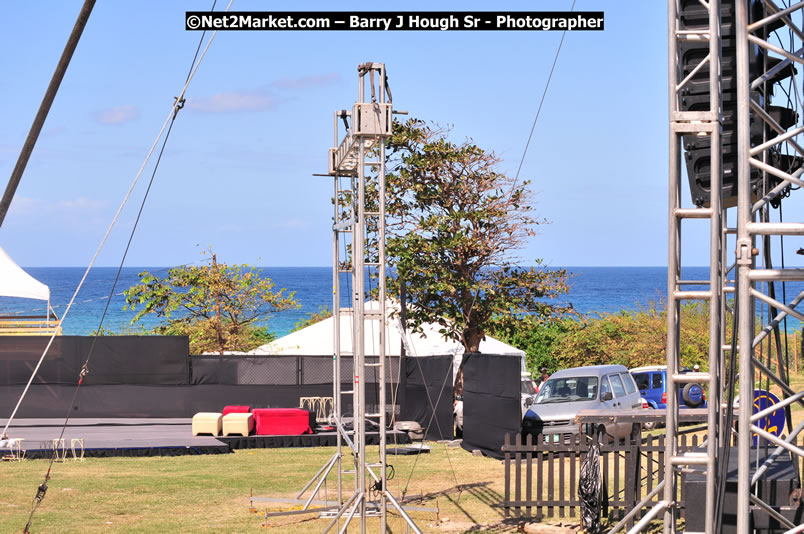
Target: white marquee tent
[
  {"x": 317, "y": 339},
  {"x": 14, "y": 282}
]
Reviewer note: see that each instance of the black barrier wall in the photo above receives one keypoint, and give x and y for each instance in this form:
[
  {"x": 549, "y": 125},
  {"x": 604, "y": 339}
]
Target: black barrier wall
[
  {"x": 151, "y": 360},
  {"x": 428, "y": 395},
  {"x": 153, "y": 376},
  {"x": 491, "y": 401},
  {"x": 149, "y": 401}
]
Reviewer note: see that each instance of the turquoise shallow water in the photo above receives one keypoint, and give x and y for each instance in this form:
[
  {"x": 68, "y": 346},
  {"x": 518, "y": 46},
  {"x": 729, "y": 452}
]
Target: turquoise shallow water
[{"x": 593, "y": 290}]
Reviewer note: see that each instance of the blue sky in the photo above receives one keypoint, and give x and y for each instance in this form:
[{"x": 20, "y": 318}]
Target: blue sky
[{"x": 258, "y": 122}]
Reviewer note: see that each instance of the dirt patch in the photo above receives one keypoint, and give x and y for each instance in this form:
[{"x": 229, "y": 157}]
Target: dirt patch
[
  {"x": 446, "y": 524},
  {"x": 508, "y": 526},
  {"x": 541, "y": 528}
]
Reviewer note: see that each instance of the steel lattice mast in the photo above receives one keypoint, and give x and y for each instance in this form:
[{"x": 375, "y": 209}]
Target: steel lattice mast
[
  {"x": 758, "y": 180},
  {"x": 357, "y": 166},
  {"x": 359, "y": 234},
  {"x": 698, "y": 122},
  {"x": 754, "y": 92}
]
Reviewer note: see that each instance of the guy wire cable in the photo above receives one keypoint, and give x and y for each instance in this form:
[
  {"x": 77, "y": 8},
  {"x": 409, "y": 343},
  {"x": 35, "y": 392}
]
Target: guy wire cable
[
  {"x": 177, "y": 105},
  {"x": 538, "y": 111},
  {"x": 173, "y": 110},
  {"x": 85, "y": 367},
  {"x": 541, "y": 102},
  {"x": 430, "y": 422},
  {"x": 728, "y": 415}
]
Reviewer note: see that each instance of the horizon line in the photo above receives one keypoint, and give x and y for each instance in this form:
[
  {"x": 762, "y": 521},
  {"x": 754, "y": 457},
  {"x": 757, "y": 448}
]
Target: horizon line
[{"x": 330, "y": 266}]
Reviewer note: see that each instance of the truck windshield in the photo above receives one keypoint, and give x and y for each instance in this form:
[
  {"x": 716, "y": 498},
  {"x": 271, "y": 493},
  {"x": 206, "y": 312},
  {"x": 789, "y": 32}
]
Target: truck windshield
[{"x": 567, "y": 389}]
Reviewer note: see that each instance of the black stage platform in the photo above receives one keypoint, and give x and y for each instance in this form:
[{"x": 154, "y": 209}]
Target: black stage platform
[{"x": 151, "y": 437}]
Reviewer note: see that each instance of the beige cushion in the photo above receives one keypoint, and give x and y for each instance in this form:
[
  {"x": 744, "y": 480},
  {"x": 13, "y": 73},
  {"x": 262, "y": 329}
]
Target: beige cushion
[
  {"x": 207, "y": 423},
  {"x": 237, "y": 423}
]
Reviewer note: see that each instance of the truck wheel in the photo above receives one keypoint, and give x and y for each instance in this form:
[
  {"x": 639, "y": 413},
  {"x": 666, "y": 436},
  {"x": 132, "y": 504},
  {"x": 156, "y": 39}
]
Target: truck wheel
[{"x": 692, "y": 395}]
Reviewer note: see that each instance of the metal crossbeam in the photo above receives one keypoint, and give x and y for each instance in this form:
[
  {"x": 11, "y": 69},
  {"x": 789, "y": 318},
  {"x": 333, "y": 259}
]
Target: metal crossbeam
[
  {"x": 706, "y": 125},
  {"x": 359, "y": 158},
  {"x": 759, "y": 184}
]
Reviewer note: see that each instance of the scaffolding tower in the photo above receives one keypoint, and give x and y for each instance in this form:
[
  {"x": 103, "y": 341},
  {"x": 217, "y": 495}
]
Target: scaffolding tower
[
  {"x": 357, "y": 164},
  {"x": 703, "y": 121},
  {"x": 763, "y": 170}
]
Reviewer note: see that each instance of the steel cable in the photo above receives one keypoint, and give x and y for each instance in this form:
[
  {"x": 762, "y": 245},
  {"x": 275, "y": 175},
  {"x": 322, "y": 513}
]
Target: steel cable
[{"x": 177, "y": 105}]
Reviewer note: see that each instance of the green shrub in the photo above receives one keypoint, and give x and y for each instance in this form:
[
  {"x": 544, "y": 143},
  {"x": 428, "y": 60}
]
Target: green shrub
[{"x": 630, "y": 338}]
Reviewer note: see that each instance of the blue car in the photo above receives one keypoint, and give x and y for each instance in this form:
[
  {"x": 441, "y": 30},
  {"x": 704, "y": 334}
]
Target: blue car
[{"x": 652, "y": 384}]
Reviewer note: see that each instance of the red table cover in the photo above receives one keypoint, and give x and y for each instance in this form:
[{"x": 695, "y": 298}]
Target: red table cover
[
  {"x": 236, "y": 409},
  {"x": 282, "y": 421}
]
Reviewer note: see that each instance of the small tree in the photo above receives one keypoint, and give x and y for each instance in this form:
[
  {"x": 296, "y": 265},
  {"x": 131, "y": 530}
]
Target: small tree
[
  {"x": 312, "y": 318},
  {"x": 216, "y": 305},
  {"x": 630, "y": 338},
  {"x": 455, "y": 223}
]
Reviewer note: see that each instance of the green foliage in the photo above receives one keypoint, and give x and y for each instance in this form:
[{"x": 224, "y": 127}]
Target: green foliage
[
  {"x": 455, "y": 223},
  {"x": 127, "y": 331},
  {"x": 628, "y": 338},
  {"x": 218, "y": 306},
  {"x": 203, "y": 335},
  {"x": 537, "y": 338},
  {"x": 312, "y": 318}
]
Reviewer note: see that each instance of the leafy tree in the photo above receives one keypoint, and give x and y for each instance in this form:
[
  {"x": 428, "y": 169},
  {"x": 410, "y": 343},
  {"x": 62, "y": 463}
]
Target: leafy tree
[
  {"x": 312, "y": 318},
  {"x": 218, "y": 305},
  {"x": 538, "y": 338},
  {"x": 126, "y": 331},
  {"x": 204, "y": 335},
  {"x": 455, "y": 224},
  {"x": 631, "y": 338},
  {"x": 638, "y": 338}
]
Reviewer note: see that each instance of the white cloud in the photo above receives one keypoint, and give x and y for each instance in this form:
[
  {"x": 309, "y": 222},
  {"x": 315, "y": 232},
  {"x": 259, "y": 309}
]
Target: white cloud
[
  {"x": 233, "y": 102},
  {"x": 307, "y": 82},
  {"x": 82, "y": 204},
  {"x": 259, "y": 99},
  {"x": 291, "y": 223},
  {"x": 118, "y": 115},
  {"x": 23, "y": 206}
]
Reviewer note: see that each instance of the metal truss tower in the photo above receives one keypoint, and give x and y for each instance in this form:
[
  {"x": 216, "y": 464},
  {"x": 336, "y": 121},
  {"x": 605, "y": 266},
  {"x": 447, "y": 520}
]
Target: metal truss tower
[
  {"x": 357, "y": 164},
  {"x": 762, "y": 172},
  {"x": 702, "y": 121},
  {"x": 756, "y": 282}
]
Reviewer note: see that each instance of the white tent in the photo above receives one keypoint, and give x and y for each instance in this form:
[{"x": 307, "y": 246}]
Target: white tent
[
  {"x": 14, "y": 282},
  {"x": 317, "y": 339}
]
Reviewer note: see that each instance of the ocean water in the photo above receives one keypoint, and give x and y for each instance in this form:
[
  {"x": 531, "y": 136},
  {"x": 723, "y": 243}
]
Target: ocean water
[{"x": 593, "y": 290}]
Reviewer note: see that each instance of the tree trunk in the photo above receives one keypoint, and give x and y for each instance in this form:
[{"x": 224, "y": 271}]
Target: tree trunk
[
  {"x": 217, "y": 306},
  {"x": 472, "y": 338}
]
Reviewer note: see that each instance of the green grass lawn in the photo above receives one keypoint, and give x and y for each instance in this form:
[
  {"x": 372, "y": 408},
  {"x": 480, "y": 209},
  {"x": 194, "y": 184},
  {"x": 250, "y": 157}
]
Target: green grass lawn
[{"x": 211, "y": 493}]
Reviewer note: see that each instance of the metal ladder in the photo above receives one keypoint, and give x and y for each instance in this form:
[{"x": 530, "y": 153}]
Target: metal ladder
[
  {"x": 695, "y": 123},
  {"x": 359, "y": 234}
]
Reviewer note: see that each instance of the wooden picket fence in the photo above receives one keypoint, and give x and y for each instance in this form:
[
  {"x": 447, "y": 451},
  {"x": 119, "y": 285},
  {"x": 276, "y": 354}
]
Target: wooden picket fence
[{"x": 541, "y": 479}]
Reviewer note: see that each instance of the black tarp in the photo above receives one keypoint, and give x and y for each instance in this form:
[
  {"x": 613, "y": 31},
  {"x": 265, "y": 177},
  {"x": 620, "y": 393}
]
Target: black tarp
[
  {"x": 46, "y": 401},
  {"x": 491, "y": 401},
  {"x": 428, "y": 395},
  {"x": 153, "y": 376},
  {"x": 282, "y": 370},
  {"x": 153, "y": 360}
]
